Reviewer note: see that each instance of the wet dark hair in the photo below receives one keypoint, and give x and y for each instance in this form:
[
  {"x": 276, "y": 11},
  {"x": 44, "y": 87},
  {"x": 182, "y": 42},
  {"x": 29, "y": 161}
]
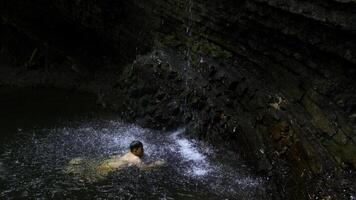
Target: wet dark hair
[{"x": 135, "y": 145}]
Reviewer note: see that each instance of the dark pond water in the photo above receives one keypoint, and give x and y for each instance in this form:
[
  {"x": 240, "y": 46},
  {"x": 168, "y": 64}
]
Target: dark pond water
[{"x": 42, "y": 130}]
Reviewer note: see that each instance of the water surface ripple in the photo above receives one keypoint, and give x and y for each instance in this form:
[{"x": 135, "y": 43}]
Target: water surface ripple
[{"x": 32, "y": 163}]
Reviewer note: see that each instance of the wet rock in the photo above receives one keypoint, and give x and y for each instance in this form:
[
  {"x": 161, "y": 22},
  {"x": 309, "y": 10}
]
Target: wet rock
[
  {"x": 24, "y": 194},
  {"x": 2, "y": 171},
  {"x": 302, "y": 55}
]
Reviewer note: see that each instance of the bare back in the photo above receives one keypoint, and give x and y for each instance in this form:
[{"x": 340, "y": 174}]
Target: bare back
[{"x": 119, "y": 162}]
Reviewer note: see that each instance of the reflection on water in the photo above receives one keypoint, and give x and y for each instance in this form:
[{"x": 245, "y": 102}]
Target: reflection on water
[{"x": 35, "y": 150}]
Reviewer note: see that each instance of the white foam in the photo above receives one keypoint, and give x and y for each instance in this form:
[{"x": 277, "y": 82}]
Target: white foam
[
  {"x": 247, "y": 182},
  {"x": 199, "y": 171},
  {"x": 188, "y": 151},
  {"x": 198, "y": 165},
  {"x": 193, "y": 155}
]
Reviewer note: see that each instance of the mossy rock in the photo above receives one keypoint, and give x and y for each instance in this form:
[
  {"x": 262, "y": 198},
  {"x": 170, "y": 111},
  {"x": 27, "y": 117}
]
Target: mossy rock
[
  {"x": 210, "y": 49},
  {"x": 344, "y": 153}
]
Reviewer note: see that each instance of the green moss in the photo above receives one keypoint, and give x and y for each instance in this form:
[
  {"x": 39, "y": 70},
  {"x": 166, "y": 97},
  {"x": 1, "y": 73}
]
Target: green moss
[
  {"x": 319, "y": 118},
  {"x": 343, "y": 152},
  {"x": 197, "y": 47},
  {"x": 210, "y": 49},
  {"x": 310, "y": 155}
]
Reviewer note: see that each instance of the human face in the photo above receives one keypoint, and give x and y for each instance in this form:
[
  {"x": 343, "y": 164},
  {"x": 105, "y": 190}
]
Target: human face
[{"x": 138, "y": 152}]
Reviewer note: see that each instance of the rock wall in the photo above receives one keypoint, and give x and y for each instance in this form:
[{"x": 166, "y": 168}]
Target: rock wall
[{"x": 271, "y": 79}]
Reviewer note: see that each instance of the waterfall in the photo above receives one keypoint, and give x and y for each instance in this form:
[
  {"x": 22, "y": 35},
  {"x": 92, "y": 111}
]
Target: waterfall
[{"x": 188, "y": 57}]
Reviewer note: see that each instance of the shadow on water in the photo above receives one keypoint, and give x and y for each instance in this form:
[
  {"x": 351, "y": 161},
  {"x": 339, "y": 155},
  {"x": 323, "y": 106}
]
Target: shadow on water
[
  {"x": 23, "y": 108},
  {"x": 37, "y": 149}
]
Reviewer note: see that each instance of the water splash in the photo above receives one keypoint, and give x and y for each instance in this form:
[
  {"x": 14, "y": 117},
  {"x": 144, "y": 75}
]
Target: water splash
[
  {"x": 198, "y": 164},
  {"x": 35, "y": 163},
  {"x": 187, "y": 70}
]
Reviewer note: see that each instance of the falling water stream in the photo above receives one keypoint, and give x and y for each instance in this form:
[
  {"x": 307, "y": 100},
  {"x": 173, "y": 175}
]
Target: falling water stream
[{"x": 37, "y": 147}]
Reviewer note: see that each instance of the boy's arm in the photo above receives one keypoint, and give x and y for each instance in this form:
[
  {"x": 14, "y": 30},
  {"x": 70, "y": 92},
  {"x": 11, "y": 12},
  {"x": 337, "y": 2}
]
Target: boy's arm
[{"x": 152, "y": 165}]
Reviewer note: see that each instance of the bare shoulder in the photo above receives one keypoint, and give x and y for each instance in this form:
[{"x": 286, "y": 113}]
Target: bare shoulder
[
  {"x": 136, "y": 160},
  {"x": 130, "y": 159},
  {"x": 126, "y": 155}
]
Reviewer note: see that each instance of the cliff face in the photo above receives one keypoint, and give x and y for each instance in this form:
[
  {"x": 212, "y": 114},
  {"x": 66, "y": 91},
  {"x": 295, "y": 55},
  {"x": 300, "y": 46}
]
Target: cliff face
[{"x": 274, "y": 78}]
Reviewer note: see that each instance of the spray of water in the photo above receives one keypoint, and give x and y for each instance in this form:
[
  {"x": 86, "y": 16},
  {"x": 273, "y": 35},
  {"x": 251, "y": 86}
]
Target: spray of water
[{"x": 36, "y": 163}]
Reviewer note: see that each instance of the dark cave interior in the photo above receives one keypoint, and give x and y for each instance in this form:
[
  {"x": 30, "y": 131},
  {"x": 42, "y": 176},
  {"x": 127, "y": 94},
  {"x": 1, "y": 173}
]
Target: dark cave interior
[{"x": 272, "y": 80}]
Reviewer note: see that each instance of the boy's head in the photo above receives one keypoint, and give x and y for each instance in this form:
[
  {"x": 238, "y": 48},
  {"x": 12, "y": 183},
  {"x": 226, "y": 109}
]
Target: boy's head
[{"x": 136, "y": 147}]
